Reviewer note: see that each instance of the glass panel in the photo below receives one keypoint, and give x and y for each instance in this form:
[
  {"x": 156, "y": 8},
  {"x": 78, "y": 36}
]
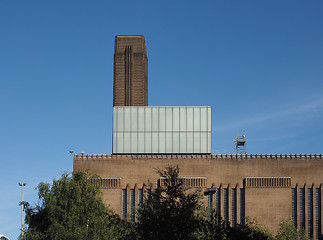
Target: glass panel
[
  {"x": 190, "y": 119},
  {"x": 209, "y": 117},
  {"x": 140, "y": 198},
  {"x": 242, "y": 206},
  {"x": 120, "y": 119},
  {"x": 182, "y": 119},
  {"x": 204, "y": 119},
  {"x": 182, "y": 142},
  {"x": 114, "y": 119},
  {"x": 318, "y": 212},
  {"x": 204, "y": 142},
  {"x": 132, "y": 204},
  {"x": 169, "y": 142},
  {"x": 154, "y": 142},
  {"x": 197, "y": 119},
  {"x": 294, "y": 206},
  {"x": 218, "y": 202},
  {"x": 210, "y": 200},
  {"x": 141, "y": 119},
  {"x": 114, "y": 142},
  {"x": 190, "y": 142},
  {"x": 310, "y": 212},
  {"x": 141, "y": 142},
  {"x": 147, "y": 119},
  {"x": 148, "y": 193},
  {"x": 126, "y": 146},
  {"x": 162, "y": 142},
  {"x": 175, "y": 142},
  {"x": 134, "y": 119},
  {"x": 134, "y": 142},
  {"x": 127, "y": 119},
  {"x": 120, "y": 142},
  {"x": 175, "y": 119},
  {"x": 226, "y": 205},
  {"x": 169, "y": 119},
  {"x": 302, "y": 207},
  {"x": 234, "y": 207},
  {"x": 124, "y": 203},
  {"x": 162, "y": 119},
  {"x": 154, "y": 124},
  {"x": 197, "y": 142},
  {"x": 147, "y": 142}
]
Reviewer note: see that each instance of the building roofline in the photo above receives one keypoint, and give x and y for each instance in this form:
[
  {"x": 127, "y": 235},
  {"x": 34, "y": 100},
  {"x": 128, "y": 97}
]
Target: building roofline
[
  {"x": 212, "y": 156},
  {"x": 130, "y": 36}
]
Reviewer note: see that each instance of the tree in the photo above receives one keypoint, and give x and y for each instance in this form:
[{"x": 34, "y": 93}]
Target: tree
[
  {"x": 288, "y": 231},
  {"x": 170, "y": 212},
  {"x": 173, "y": 213},
  {"x": 212, "y": 226},
  {"x": 70, "y": 209},
  {"x": 252, "y": 230}
]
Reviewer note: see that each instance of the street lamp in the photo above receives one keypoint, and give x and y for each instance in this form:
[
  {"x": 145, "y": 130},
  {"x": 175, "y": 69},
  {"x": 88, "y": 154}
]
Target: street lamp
[
  {"x": 209, "y": 191},
  {"x": 22, "y": 205}
]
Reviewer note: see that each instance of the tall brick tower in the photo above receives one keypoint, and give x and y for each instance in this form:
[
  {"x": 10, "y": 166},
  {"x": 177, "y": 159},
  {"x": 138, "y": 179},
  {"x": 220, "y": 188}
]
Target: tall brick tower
[{"x": 130, "y": 83}]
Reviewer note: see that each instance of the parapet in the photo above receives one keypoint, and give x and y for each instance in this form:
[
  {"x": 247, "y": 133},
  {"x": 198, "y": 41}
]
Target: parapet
[
  {"x": 199, "y": 156},
  {"x": 137, "y": 43}
]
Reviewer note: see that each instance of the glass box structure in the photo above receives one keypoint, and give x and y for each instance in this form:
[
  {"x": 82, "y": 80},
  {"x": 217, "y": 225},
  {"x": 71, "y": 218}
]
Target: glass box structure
[{"x": 161, "y": 130}]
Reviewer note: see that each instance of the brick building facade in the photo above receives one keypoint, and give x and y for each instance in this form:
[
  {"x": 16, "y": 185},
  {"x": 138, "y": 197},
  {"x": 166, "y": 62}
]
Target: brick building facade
[{"x": 268, "y": 187}]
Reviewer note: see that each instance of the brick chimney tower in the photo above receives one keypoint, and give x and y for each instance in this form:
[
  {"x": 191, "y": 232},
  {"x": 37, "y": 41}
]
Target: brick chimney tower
[{"x": 130, "y": 82}]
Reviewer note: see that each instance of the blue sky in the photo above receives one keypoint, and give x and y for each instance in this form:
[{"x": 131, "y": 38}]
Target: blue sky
[{"x": 258, "y": 64}]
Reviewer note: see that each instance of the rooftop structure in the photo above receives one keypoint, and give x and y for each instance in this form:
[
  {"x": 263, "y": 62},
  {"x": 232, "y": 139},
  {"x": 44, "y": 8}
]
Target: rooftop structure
[
  {"x": 161, "y": 130},
  {"x": 241, "y": 144}
]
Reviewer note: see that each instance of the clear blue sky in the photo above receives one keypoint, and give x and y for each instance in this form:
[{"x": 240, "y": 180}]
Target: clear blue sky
[{"x": 258, "y": 64}]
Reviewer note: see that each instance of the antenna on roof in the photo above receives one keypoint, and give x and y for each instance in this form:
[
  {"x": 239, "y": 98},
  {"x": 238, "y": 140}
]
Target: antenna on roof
[{"x": 241, "y": 144}]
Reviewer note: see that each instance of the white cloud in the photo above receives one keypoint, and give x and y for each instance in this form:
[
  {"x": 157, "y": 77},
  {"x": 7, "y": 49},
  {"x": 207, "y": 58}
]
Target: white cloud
[{"x": 288, "y": 112}]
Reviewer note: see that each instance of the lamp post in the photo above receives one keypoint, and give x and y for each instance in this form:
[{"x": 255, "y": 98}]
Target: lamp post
[{"x": 22, "y": 205}]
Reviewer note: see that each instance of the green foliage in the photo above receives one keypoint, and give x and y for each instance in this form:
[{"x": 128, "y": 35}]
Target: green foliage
[
  {"x": 122, "y": 229},
  {"x": 211, "y": 227},
  {"x": 288, "y": 231},
  {"x": 214, "y": 228},
  {"x": 251, "y": 230},
  {"x": 170, "y": 212},
  {"x": 70, "y": 209}
]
